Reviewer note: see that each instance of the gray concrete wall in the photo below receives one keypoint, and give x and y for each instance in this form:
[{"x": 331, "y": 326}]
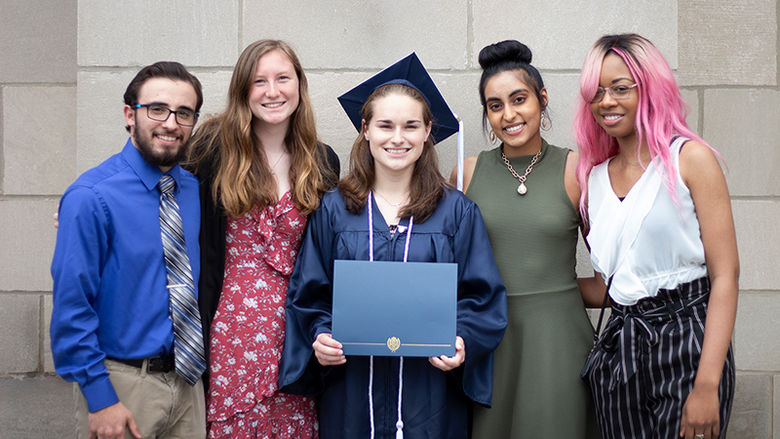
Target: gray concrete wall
[{"x": 64, "y": 66}]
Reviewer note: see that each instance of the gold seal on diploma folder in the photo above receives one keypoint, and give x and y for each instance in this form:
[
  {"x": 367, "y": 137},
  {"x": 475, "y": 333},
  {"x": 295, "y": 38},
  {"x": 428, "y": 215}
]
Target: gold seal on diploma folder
[{"x": 393, "y": 343}]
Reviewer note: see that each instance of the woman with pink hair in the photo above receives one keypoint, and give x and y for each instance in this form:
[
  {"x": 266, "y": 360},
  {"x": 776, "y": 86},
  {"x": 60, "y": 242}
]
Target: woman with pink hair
[{"x": 661, "y": 231}]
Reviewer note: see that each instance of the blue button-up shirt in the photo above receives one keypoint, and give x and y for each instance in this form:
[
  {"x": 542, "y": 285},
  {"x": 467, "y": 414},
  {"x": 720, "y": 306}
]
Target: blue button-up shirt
[{"x": 110, "y": 296}]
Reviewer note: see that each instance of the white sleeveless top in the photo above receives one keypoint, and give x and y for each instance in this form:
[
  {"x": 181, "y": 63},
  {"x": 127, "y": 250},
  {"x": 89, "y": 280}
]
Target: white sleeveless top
[{"x": 647, "y": 242}]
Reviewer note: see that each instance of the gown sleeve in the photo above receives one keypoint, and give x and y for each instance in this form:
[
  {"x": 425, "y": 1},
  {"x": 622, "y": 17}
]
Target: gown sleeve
[
  {"x": 482, "y": 311},
  {"x": 308, "y": 308}
]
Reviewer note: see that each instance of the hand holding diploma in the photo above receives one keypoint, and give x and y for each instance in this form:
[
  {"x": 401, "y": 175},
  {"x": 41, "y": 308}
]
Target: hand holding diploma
[
  {"x": 328, "y": 350},
  {"x": 446, "y": 363}
]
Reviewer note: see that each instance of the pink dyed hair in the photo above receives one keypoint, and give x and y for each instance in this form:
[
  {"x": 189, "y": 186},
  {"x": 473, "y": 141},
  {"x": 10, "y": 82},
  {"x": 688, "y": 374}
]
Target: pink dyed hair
[{"x": 660, "y": 114}]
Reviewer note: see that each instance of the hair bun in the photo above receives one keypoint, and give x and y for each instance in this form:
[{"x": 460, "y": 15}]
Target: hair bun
[{"x": 504, "y": 51}]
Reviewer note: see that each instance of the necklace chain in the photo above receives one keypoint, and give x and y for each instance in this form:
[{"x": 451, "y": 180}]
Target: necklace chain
[
  {"x": 278, "y": 159},
  {"x": 630, "y": 163},
  {"x": 388, "y": 201},
  {"x": 521, "y": 189}
]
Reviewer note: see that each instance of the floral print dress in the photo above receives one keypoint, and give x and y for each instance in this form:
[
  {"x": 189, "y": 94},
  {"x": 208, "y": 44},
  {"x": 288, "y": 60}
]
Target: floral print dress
[{"x": 247, "y": 333}]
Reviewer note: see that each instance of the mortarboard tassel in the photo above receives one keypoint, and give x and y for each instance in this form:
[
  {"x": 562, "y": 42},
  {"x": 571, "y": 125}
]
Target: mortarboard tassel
[{"x": 460, "y": 152}]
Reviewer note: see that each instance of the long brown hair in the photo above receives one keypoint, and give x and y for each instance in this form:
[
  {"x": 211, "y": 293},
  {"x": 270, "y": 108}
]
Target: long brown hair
[
  {"x": 427, "y": 185},
  {"x": 243, "y": 176}
]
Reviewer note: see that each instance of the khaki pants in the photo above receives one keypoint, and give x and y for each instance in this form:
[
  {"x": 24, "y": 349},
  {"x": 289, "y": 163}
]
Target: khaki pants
[{"x": 163, "y": 405}]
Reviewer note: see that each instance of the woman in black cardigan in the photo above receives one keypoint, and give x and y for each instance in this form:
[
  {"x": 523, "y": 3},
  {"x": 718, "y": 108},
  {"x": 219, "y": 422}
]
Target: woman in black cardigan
[{"x": 262, "y": 171}]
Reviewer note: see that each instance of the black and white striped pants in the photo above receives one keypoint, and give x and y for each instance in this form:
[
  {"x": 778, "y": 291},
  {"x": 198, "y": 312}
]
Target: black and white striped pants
[{"x": 646, "y": 362}]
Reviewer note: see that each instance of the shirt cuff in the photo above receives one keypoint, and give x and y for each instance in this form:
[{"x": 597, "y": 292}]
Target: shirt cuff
[{"x": 99, "y": 394}]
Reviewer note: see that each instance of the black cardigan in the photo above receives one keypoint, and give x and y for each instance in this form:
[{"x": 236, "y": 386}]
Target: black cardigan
[{"x": 213, "y": 224}]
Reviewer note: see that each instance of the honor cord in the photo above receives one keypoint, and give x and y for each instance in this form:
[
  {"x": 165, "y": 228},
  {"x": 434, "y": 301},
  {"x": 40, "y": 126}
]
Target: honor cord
[{"x": 399, "y": 425}]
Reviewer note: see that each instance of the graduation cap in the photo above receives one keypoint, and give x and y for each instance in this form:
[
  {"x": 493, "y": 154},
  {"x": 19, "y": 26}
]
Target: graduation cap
[{"x": 410, "y": 72}]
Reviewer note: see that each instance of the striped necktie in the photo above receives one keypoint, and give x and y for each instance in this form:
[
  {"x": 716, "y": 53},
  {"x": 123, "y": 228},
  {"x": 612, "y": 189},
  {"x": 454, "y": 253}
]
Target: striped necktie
[{"x": 188, "y": 337}]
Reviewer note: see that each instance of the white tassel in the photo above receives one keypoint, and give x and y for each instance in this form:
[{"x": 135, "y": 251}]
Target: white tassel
[
  {"x": 460, "y": 153},
  {"x": 399, "y": 433},
  {"x": 399, "y": 426}
]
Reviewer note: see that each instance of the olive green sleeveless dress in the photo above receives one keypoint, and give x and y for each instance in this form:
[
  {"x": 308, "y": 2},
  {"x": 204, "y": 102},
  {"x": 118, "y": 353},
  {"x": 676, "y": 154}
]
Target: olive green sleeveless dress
[{"x": 537, "y": 390}]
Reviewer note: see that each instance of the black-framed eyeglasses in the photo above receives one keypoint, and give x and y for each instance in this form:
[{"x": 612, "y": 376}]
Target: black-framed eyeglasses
[
  {"x": 617, "y": 91},
  {"x": 161, "y": 113}
]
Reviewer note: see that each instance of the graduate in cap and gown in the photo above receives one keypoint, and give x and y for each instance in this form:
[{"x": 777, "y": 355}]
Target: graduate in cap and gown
[{"x": 394, "y": 185}]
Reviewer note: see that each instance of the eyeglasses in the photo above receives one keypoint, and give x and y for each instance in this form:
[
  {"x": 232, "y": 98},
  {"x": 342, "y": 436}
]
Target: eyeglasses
[
  {"x": 617, "y": 91},
  {"x": 161, "y": 113}
]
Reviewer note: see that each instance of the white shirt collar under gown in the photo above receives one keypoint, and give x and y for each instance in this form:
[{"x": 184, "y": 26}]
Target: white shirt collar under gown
[{"x": 647, "y": 242}]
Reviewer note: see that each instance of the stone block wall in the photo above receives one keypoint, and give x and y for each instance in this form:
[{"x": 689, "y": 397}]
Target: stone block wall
[
  {"x": 38, "y": 84},
  {"x": 65, "y": 64}
]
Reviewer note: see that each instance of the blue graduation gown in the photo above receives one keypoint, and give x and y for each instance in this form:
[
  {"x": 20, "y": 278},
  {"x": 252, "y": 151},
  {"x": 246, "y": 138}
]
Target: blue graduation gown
[{"x": 435, "y": 404}]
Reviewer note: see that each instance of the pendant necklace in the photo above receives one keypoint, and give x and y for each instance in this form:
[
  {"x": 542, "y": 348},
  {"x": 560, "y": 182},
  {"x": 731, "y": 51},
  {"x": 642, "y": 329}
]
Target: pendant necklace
[{"x": 522, "y": 189}]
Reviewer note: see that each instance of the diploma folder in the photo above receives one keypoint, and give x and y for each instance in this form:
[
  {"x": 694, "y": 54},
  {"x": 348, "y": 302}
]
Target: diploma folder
[{"x": 395, "y": 308}]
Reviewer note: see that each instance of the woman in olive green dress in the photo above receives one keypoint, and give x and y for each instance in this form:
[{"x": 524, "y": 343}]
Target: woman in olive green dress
[{"x": 528, "y": 194}]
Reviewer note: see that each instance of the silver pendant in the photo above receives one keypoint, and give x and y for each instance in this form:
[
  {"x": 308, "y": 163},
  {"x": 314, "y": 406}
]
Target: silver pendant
[{"x": 522, "y": 189}]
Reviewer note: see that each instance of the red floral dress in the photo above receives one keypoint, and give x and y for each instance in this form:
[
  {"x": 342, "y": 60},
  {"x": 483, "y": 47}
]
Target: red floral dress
[{"x": 247, "y": 333}]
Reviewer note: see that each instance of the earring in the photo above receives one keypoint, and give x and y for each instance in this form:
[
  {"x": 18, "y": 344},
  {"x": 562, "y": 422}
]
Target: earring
[
  {"x": 492, "y": 137},
  {"x": 546, "y": 121}
]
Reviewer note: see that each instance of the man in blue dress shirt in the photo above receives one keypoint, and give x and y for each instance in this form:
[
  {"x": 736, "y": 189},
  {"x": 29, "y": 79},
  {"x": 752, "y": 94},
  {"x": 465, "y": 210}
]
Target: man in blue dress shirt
[{"x": 111, "y": 328}]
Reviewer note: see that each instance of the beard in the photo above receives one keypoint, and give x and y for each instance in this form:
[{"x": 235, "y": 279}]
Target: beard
[{"x": 165, "y": 158}]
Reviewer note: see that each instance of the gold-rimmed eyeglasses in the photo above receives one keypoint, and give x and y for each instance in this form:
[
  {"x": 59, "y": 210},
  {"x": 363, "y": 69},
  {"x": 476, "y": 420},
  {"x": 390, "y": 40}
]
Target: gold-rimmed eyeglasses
[{"x": 617, "y": 91}]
